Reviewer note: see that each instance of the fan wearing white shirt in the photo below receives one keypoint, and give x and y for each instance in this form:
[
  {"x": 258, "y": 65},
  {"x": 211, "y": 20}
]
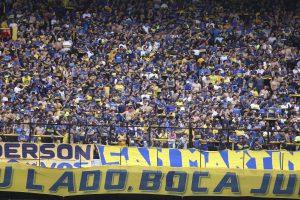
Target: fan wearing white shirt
[
  {"x": 18, "y": 89},
  {"x": 67, "y": 45},
  {"x": 86, "y": 15}
]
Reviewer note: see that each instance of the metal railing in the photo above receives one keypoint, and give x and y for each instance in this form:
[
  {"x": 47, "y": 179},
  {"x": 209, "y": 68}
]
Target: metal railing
[{"x": 212, "y": 138}]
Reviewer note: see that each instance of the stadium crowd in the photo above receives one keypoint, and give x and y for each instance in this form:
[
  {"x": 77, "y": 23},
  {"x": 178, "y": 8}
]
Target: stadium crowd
[{"x": 217, "y": 69}]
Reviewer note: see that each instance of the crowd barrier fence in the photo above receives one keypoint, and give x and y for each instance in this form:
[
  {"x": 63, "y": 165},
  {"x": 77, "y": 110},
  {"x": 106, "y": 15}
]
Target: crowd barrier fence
[{"x": 153, "y": 136}]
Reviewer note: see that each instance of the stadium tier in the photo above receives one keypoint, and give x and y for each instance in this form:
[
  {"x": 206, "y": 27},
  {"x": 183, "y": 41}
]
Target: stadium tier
[{"x": 205, "y": 74}]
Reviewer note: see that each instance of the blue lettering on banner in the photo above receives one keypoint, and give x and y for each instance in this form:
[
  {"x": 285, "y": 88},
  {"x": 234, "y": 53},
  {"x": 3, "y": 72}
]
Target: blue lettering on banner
[
  {"x": 159, "y": 161},
  {"x": 264, "y": 185},
  {"x": 224, "y": 156},
  {"x": 291, "y": 163},
  {"x": 146, "y": 155},
  {"x": 85, "y": 179},
  {"x": 150, "y": 177},
  {"x": 12, "y": 161},
  {"x": 67, "y": 147},
  {"x": 64, "y": 165},
  {"x": 268, "y": 161},
  {"x": 110, "y": 174},
  {"x": 44, "y": 149},
  {"x": 205, "y": 154},
  {"x": 55, "y": 164},
  {"x": 144, "y": 152},
  {"x": 80, "y": 152},
  {"x": 11, "y": 150},
  {"x": 195, "y": 162},
  {"x": 81, "y": 164},
  {"x": 230, "y": 180},
  {"x": 279, "y": 182},
  {"x": 112, "y": 154},
  {"x": 31, "y": 149},
  {"x": 66, "y": 180},
  {"x": 124, "y": 153},
  {"x": 251, "y": 164},
  {"x": 291, "y": 166},
  {"x": 7, "y": 177},
  {"x": 67, "y": 165},
  {"x": 196, "y": 181},
  {"x": 30, "y": 185},
  {"x": 181, "y": 183},
  {"x": 175, "y": 158}
]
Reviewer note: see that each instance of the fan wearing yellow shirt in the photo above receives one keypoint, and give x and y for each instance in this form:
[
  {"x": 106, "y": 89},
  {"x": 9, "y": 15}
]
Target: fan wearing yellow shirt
[
  {"x": 111, "y": 55},
  {"x": 213, "y": 79},
  {"x": 89, "y": 97},
  {"x": 66, "y": 138},
  {"x": 4, "y": 24},
  {"x": 163, "y": 135},
  {"x": 26, "y": 80},
  {"x": 122, "y": 139},
  {"x": 119, "y": 87},
  {"x": 57, "y": 105}
]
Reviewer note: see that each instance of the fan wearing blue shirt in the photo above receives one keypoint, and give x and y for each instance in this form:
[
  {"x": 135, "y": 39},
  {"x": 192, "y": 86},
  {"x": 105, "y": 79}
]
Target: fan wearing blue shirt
[{"x": 22, "y": 137}]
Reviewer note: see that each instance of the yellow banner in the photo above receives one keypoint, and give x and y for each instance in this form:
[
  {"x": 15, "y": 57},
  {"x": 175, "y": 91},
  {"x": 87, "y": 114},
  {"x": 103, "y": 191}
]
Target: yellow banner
[
  {"x": 242, "y": 159},
  {"x": 149, "y": 180}
]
